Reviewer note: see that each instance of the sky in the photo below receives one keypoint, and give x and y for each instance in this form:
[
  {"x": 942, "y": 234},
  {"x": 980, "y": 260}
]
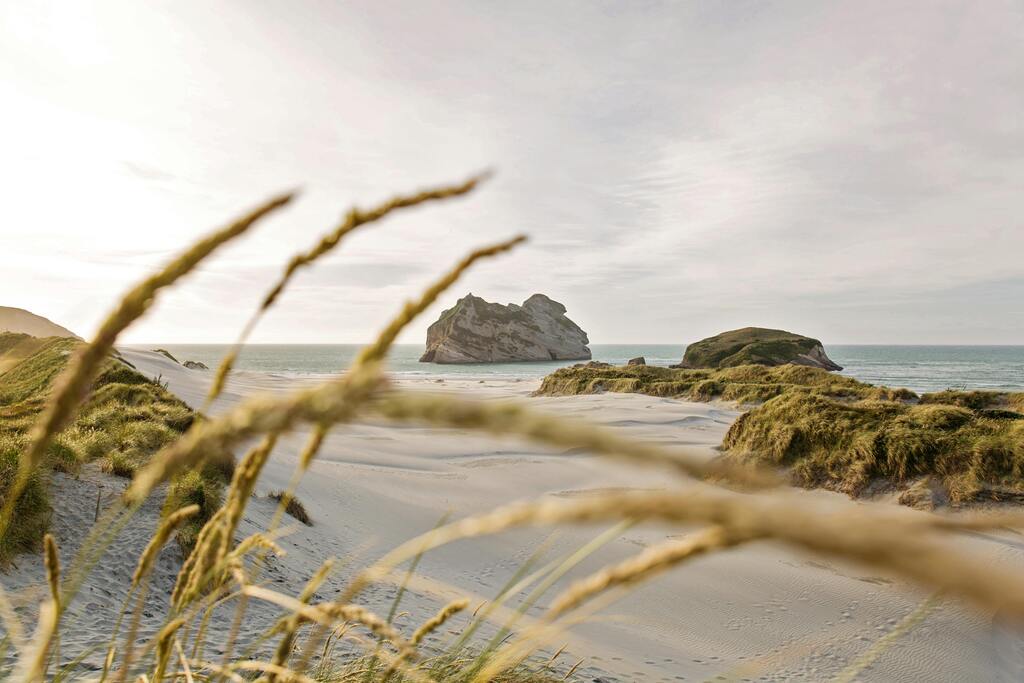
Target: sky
[{"x": 852, "y": 171}]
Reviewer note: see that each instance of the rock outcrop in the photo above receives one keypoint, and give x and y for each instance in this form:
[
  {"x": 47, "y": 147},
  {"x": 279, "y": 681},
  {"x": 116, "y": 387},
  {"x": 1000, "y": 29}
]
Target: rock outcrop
[
  {"x": 639, "y": 360},
  {"x": 756, "y": 346},
  {"x": 476, "y": 331},
  {"x": 195, "y": 365}
]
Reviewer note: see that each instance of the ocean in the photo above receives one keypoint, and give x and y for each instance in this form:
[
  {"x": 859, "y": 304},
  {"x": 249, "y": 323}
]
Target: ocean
[{"x": 920, "y": 368}]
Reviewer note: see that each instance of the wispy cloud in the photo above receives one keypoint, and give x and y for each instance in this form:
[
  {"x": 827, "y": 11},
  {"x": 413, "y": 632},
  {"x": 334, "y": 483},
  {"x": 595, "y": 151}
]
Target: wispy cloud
[{"x": 849, "y": 169}]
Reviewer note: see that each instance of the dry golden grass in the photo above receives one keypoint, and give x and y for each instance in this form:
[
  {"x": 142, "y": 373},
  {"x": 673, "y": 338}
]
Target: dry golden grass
[
  {"x": 355, "y": 218},
  {"x": 921, "y": 547}
]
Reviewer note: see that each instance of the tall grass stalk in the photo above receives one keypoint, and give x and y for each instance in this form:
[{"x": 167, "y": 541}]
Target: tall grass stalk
[{"x": 355, "y": 218}]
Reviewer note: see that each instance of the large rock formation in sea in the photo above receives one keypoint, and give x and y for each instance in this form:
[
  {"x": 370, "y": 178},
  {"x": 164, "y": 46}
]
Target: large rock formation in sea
[
  {"x": 757, "y": 346},
  {"x": 476, "y": 331},
  {"x": 20, "y": 320}
]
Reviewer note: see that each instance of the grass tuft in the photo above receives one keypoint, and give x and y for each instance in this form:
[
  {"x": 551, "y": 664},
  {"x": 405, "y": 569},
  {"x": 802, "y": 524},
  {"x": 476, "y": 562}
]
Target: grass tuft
[
  {"x": 293, "y": 507},
  {"x": 126, "y": 418}
]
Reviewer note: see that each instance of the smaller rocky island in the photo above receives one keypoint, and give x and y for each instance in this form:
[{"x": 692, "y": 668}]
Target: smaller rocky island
[
  {"x": 756, "y": 346},
  {"x": 477, "y": 331}
]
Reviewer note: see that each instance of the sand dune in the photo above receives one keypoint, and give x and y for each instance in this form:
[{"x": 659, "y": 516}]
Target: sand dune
[
  {"x": 757, "y": 613},
  {"x": 20, "y": 320}
]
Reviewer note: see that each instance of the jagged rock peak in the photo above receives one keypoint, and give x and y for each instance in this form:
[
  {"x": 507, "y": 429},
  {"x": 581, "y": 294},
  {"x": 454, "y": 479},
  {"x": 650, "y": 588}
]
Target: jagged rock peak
[{"x": 477, "y": 331}]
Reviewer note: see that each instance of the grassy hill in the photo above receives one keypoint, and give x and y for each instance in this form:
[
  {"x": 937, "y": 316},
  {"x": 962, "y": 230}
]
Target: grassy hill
[
  {"x": 756, "y": 346},
  {"x": 23, "y": 322},
  {"x": 126, "y": 419}
]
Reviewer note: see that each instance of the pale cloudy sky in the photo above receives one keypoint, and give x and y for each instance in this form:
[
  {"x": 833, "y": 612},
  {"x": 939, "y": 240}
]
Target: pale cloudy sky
[{"x": 849, "y": 170}]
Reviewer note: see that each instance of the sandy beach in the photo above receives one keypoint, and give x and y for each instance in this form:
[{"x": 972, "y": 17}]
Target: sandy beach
[{"x": 761, "y": 612}]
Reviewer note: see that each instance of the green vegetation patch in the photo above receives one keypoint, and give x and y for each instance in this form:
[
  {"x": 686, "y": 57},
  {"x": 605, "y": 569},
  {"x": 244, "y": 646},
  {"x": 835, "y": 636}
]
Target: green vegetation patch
[
  {"x": 747, "y": 384},
  {"x": 124, "y": 421},
  {"x": 850, "y": 445}
]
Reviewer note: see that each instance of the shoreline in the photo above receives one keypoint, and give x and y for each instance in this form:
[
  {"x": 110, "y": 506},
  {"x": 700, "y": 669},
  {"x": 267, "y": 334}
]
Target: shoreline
[{"x": 921, "y": 368}]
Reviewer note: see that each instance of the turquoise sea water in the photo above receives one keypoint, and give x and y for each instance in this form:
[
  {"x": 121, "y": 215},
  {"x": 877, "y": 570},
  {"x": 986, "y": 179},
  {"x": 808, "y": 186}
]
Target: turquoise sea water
[{"x": 921, "y": 368}]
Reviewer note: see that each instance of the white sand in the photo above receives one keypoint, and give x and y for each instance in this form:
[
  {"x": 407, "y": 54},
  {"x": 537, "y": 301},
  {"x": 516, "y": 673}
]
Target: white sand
[{"x": 758, "y": 613}]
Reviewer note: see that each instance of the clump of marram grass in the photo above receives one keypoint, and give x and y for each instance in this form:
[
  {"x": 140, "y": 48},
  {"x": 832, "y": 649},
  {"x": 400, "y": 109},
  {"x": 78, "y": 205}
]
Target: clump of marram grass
[
  {"x": 292, "y": 506},
  {"x": 851, "y": 446},
  {"x": 204, "y": 489},
  {"x": 746, "y": 384},
  {"x": 124, "y": 421},
  {"x": 922, "y": 548}
]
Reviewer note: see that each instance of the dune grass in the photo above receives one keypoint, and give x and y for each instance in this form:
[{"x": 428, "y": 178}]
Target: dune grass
[
  {"x": 43, "y": 408},
  {"x": 747, "y": 384},
  {"x": 126, "y": 418},
  {"x": 971, "y": 450},
  {"x": 836, "y": 432}
]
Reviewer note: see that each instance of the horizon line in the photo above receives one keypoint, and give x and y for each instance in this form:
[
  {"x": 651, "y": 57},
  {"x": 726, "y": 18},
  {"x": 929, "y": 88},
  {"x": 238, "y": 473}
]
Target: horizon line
[{"x": 908, "y": 344}]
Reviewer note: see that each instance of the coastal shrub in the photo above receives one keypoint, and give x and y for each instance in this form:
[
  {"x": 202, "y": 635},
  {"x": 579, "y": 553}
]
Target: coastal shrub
[{"x": 847, "y": 446}]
